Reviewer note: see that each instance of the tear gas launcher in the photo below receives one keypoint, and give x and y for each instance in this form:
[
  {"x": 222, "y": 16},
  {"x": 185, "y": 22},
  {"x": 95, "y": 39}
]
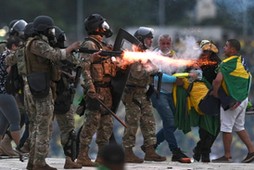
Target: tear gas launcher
[{"x": 101, "y": 52}]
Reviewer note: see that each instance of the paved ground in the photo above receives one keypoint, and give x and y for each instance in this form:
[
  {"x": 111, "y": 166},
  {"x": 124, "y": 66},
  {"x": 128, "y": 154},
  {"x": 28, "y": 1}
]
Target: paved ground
[{"x": 15, "y": 164}]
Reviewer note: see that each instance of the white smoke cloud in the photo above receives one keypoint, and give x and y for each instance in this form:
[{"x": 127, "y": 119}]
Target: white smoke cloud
[{"x": 188, "y": 48}]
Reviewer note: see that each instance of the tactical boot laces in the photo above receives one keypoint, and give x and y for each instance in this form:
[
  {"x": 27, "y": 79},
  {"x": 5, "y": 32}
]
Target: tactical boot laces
[
  {"x": 151, "y": 155},
  {"x": 69, "y": 164},
  {"x": 130, "y": 157}
]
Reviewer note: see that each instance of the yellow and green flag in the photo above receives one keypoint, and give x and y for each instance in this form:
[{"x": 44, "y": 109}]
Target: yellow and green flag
[
  {"x": 187, "y": 114},
  {"x": 236, "y": 79}
]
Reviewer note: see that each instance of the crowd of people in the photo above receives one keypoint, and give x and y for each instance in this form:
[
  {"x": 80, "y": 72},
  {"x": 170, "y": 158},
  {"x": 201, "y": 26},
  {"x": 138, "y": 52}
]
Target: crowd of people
[{"x": 39, "y": 75}]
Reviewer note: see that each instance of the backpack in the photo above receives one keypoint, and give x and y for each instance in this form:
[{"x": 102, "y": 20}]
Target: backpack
[{"x": 14, "y": 83}]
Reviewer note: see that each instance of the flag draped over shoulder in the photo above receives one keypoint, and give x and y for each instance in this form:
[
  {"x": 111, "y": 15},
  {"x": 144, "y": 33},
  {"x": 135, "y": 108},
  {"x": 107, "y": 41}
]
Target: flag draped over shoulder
[
  {"x": 187, "y": 115},
  {"x": 236, "y": 79}
]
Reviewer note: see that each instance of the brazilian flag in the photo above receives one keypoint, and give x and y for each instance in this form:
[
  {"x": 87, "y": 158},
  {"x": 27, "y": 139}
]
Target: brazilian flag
[
  {"x": 186, "y": 99},
  {"x": 236, "y": 79}
]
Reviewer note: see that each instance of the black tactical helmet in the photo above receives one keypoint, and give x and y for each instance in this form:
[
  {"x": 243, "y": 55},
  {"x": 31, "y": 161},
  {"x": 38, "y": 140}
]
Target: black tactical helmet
[
  {"x": 17, "y": 28},
  {"x": 12, "y": 23},
  {"x": 94, "y": 21},
  {"x": 29, "y": 30},
  {"x": 42, "y": 23},
  {"x": 142, "y": 33}
]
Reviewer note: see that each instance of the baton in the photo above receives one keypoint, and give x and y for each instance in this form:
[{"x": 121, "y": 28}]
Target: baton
[{"x": 112, "y": 113}]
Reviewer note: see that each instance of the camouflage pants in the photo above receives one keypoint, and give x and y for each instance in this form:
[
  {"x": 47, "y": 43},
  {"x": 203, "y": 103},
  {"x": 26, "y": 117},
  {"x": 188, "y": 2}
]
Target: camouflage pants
[
  {"x": 40, "y": 116},
  {"x": 138, "y": 111},
  {"x": 66, "y": 125},
  {"x": 98, "y": 122}
]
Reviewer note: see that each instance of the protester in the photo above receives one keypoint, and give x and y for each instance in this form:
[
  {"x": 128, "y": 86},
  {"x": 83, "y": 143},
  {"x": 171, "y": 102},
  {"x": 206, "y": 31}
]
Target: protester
[
  {"x": 163, "y": 102},
  {"x": 234, "y": 79},
  {"x": 13, "y": 86},
  {"x": 188, "y": 95},
  {"x": 209, "y": 55},
  {"x": 9, "y": 114}
]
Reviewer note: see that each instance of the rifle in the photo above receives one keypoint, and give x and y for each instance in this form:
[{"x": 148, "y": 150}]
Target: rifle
[{"x": 102, "y": 52}]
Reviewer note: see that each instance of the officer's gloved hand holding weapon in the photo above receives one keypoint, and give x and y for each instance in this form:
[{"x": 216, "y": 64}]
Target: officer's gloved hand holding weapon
[{"x": 151, "y": 88}]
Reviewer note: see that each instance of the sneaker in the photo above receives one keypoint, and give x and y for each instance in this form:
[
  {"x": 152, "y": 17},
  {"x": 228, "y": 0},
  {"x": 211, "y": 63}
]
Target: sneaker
[
  {"x": 249, "y": 158},
  {"x": 179, "y": 156},
  {"x": 222, "y": 159}
]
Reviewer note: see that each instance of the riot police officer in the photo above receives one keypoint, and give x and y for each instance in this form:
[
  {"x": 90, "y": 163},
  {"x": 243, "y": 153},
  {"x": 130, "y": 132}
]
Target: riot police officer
[
  {"x": 17, "y": 28},
  {"x": 39, "y": 56},
  {"x": 145, "y": 36},
  {"x": 97, "y": 73},
  {"x": 62, "y": 105},
  {"x": 138, "y": 106}
]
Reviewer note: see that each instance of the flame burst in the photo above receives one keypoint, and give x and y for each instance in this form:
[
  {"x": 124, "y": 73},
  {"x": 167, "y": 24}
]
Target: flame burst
[
  {"x": 143, "y": 57},
  {"x": 166, "y": 64}
]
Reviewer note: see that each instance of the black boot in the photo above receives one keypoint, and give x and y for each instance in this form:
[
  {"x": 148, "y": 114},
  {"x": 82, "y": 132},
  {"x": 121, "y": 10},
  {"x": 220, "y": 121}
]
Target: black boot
[
  {"x": 197, "y": 154},
  {"x": 205, "y": 157}
]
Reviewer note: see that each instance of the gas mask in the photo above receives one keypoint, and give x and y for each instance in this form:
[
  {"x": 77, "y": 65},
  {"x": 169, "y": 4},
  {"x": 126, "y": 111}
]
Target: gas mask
[
  {"x": 106, "y": 29},
  {"x": 51, "y": 35}
]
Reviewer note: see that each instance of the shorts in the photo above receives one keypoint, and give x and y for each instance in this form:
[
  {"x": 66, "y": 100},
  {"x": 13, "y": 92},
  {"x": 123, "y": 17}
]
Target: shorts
[{"x": 233, "y": 120}]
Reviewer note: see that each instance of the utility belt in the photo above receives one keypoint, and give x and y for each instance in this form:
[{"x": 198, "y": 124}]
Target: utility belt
[
  {"x": 135, "y": 86},
  {"x": 135, "y": 89},
  {"x": 102, "y": 85}
]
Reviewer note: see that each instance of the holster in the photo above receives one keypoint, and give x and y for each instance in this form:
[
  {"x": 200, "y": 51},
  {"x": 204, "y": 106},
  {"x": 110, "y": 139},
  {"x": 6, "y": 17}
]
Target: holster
[{"x": 39, "y": 84}]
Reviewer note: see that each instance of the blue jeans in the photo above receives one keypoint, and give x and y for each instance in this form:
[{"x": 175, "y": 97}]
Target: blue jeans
[{"x": 165, "y": 108}]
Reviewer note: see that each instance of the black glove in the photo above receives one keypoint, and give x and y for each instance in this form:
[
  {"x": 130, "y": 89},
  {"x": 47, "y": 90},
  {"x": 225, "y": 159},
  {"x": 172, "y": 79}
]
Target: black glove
[
  {"x": 150, "y": 91},
  {"x": 92, "y": 102},
  {"x": 81, "y": 108}
]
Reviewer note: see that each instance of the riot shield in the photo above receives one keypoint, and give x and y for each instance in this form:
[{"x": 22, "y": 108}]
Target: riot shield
[{"x": 124, "y": 40}]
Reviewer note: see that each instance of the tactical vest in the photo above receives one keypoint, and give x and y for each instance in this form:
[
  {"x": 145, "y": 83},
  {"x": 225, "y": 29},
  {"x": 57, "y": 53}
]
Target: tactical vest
[
  {"x": 142, "y": 81},
  {"x": 36, "y": 63},
  {"x": 104, "y": 68}
]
